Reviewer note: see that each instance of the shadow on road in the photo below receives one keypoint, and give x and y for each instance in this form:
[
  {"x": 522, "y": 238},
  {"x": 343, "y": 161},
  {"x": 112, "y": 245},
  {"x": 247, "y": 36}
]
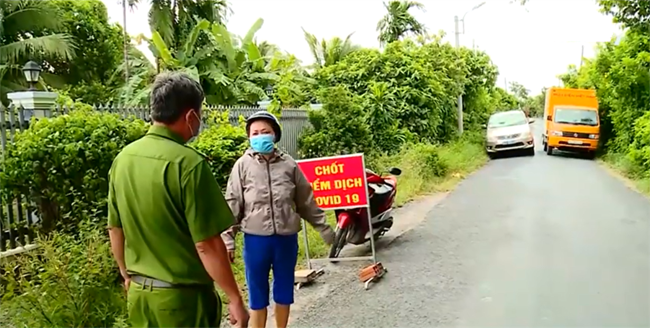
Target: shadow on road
[
  {"x": 572, "y": 155},
  {"x": 511, "y": 154}
]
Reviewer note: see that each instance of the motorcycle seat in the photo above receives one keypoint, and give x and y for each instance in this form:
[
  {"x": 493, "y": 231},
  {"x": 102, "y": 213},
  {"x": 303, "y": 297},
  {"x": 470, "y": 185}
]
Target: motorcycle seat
[{"x": 381, "y": 189}]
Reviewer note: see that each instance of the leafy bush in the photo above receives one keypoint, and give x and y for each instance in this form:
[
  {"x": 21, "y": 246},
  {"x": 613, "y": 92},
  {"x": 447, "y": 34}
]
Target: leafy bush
[
  {"x": 427, "y": 168},
  {"x": 410, "y": 90},
  {"x": 338, "y": 128},
  {"x": 620, "y": 75},
  {"x": 62, "y": 164},
  {"x": 69, "y": 281},
  {"x": 639, "y": 151},
  {"x": 222, "y": 144}
]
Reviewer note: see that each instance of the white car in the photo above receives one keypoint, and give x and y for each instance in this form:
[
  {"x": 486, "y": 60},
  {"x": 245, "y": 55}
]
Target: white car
[{"x": 508, "y": 131}]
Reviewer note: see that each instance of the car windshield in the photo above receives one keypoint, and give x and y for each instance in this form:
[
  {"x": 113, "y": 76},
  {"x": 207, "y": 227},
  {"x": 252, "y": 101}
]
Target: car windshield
[
  {"x": 576, "y": 116},
  {"x": 500, "y": 120}
]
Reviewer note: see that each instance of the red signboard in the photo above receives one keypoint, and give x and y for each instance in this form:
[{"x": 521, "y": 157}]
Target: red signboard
[{"x": 338, "y": 182}]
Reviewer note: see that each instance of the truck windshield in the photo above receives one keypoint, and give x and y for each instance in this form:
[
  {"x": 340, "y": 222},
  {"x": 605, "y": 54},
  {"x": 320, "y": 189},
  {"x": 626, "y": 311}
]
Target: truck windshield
[
  {"x": 576, "y": 116},
  {"x": 499, "y": 120}
]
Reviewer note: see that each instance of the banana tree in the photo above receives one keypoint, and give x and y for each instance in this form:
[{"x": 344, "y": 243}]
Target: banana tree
[
  {"x": 231, "y": 70},
  {"x": 238, "y": 77}
]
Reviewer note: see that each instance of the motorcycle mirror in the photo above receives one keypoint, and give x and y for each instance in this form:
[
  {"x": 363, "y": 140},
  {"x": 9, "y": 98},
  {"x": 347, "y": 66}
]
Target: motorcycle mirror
[{"x": 395, "y": 171}]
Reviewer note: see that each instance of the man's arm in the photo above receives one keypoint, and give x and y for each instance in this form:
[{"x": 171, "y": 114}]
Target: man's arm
[
  {"x": 116, "y": 236},
  {"x": 208, "y": 215},
  {"x": 115, "y": 232}
]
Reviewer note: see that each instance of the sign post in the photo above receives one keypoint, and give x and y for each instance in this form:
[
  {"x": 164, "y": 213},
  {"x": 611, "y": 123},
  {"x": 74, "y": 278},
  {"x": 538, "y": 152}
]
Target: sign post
[{"x": 339, "y": 182}]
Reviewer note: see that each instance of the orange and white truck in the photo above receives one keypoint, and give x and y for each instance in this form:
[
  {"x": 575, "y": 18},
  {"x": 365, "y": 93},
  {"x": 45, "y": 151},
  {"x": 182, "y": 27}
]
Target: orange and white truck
[{"x": 571, "y": 121}]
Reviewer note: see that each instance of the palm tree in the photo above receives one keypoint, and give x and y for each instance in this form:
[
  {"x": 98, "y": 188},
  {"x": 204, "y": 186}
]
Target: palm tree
[
  {"x": 398, "y": 22},
  {"x": 135, "y": 90},
  {"x": 18, "y": 21},
  {"x": 267, "y": 49},
  {"x": 328, "y": 52},
  {"x": 174, "y": 20}
]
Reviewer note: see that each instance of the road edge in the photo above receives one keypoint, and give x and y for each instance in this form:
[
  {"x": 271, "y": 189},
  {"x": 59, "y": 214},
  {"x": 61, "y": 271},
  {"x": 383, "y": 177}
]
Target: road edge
[{"x": 616, "y": 173}]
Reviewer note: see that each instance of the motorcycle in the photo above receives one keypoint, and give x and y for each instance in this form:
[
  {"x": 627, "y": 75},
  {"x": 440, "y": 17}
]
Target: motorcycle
[{"x": 352, "y": 224}]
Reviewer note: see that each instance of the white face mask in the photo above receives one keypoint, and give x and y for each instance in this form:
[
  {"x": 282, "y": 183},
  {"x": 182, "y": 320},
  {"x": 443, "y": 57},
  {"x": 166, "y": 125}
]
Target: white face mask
[{"x": 202, "y": 127}]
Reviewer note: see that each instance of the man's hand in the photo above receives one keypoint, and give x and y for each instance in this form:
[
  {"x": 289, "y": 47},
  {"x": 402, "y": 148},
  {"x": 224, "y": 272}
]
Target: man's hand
[
  {"x": 127, "y": 280},
  {"x": 238, "y": 314}
]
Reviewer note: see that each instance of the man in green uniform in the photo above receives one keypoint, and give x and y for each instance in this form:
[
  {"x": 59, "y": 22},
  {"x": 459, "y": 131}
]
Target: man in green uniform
[{"x": 165, "y": 216}]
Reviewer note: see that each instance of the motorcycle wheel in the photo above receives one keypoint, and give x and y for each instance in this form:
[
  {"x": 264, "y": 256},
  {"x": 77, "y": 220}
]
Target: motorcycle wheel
[{"x": 340, "y": 239}]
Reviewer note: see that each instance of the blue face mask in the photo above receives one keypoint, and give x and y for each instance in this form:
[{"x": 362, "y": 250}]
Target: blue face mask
[{"x": 263, "y": 143}]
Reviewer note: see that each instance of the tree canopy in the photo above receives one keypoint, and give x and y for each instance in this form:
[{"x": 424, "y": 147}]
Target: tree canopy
[{"x": 399, "y": 22}]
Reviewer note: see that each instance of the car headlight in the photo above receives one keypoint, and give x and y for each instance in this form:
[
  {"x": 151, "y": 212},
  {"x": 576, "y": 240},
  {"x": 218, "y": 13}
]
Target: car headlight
[
  {"x": 593, "y": 136},
  {"x": 526, "y": 135},
  {"x": 556, "y": 133},
  {"x": 492, "y": 139}
]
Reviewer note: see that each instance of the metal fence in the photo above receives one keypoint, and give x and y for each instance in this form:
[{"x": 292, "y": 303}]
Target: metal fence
[{"x": 17, "y": 216}]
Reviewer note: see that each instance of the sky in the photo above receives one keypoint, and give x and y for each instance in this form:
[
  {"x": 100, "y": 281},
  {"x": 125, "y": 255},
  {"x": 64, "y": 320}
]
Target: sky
[{"x": 530, "y": 45}]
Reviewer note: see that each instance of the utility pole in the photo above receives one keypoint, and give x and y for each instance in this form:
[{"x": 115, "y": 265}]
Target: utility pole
[
  {"x": 582, "y": 56},
  {"x": 457, "y": 32},
  {"x": 460, "y": 96},
  {"x": 126, "y": 43},
  {"x": 505, "y": 83}
]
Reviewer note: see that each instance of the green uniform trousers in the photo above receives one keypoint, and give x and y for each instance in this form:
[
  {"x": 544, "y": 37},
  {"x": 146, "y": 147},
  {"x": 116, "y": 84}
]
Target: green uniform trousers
[{"x": 173, "y": 307}]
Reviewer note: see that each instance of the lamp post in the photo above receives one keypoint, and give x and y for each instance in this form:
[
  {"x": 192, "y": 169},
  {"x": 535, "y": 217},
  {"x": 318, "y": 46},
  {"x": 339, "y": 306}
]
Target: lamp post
[
  {"x": 32, "y": 72},
  {"x": 32, "y": 102},
  {"x": 269, "y": 91},
  {"x": 457, "y": 33}
]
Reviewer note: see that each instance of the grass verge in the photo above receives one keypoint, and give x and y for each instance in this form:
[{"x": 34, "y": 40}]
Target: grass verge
[
  {"x": 622, "y": 165},
  {"x": 425, "y": 169}
]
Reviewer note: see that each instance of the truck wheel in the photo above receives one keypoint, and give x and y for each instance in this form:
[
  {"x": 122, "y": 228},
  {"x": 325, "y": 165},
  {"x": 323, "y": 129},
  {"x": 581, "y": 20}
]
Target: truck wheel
[{"x": 549, "y": 150}]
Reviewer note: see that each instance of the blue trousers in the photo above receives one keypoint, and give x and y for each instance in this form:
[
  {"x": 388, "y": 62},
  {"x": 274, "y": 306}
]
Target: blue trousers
[{"x": 263, "y": 253}]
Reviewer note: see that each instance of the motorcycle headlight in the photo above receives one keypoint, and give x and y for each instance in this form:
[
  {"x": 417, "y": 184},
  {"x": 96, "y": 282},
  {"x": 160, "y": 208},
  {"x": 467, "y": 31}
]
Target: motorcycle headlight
[{"x": 556, "y": 133}]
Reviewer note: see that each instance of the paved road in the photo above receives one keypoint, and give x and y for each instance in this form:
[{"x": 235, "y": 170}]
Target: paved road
[{"x": 525, "y": 242}]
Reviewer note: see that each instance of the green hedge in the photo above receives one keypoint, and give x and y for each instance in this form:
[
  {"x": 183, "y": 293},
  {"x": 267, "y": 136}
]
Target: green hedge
[{"x": 62, "y": 163}]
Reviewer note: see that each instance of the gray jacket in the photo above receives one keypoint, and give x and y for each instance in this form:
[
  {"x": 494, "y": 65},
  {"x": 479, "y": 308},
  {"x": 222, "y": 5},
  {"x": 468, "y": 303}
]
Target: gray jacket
[{"x": 270, "y": 197}]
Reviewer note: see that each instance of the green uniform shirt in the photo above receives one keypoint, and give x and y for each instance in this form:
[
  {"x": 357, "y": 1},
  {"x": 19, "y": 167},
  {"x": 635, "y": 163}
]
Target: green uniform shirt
[{"x": 165, "y": 198}]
